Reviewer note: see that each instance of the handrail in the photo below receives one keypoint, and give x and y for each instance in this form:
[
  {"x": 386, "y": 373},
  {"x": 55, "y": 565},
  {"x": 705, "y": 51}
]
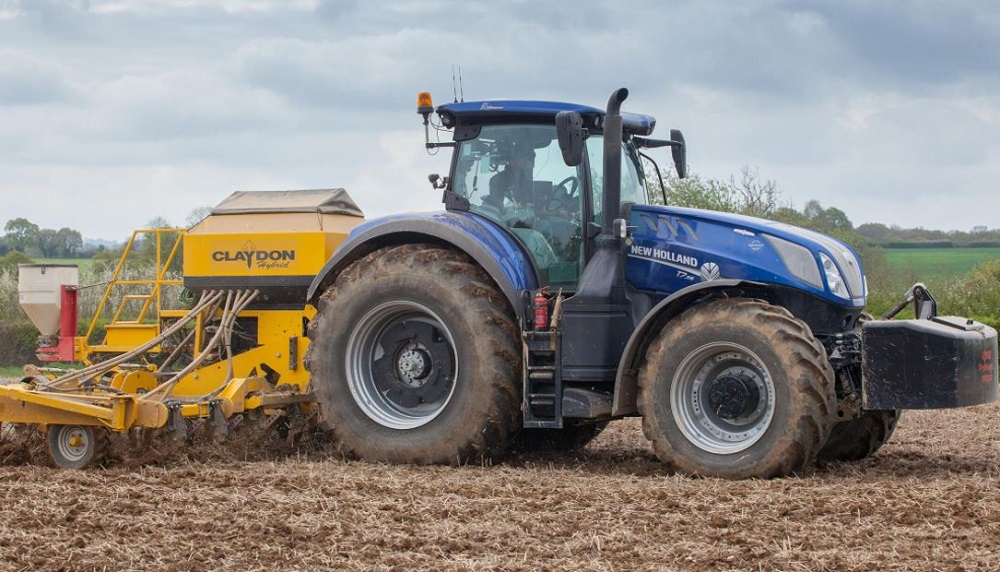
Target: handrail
[{"x": 161, "y": 266}]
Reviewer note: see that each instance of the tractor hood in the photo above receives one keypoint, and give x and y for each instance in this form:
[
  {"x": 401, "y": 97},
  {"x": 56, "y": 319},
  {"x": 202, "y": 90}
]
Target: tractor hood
[{"x": 674, "y": 247}]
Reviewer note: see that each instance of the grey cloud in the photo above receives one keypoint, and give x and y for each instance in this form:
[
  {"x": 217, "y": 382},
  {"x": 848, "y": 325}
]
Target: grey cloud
[
  {"x": 60, "y": 20},
  {"x": 53, "y": 11},
  {"x": 851, "y": 103},
  {"x": 183, "y": 104},
  {"x": 350, "y": 75},
  {"x": 27, "y": 80},
  {"x": 919, "y": 43},
  {"x": 334, "y": 10}
]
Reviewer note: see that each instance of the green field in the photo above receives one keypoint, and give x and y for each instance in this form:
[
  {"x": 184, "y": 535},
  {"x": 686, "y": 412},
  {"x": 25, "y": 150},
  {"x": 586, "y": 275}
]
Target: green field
[
  {"x": 83, "y": 263},
  {"x": 927, "y": 263},
  {"x": 10, "y": 373}
]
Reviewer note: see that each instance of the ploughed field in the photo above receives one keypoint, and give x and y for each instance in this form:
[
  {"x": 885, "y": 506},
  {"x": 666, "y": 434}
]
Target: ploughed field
[{"x": 929, "y": 500}]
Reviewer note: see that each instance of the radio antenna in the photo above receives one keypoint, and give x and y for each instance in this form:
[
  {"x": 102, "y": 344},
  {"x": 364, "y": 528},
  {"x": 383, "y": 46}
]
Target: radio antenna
[
  {"x": 454, "y": 86},
  {"x": 461, "y": 89}
]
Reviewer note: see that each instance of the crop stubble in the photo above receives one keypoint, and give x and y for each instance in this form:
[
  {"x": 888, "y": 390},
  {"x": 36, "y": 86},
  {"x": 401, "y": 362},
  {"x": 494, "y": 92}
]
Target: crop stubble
[{"x": 927, "y": 501}]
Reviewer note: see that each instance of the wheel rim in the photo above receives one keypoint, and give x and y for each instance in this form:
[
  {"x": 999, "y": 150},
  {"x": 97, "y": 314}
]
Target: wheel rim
[
  {"x": 401, "y": 365},
  {"x": 73, "y": 443},
  {"x": 722, "y": 398}
]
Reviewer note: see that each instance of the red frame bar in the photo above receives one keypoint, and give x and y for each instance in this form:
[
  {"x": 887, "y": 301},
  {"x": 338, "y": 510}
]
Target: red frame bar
[{"x": 67, "y": 329}]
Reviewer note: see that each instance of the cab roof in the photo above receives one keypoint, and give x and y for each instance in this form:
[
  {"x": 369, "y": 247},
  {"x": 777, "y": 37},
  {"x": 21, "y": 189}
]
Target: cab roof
[{"x": 531, "y": 111}]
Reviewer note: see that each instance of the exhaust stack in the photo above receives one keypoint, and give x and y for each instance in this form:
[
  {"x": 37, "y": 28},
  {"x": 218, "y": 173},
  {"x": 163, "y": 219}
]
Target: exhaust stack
[{"x": 612, "y": 162}]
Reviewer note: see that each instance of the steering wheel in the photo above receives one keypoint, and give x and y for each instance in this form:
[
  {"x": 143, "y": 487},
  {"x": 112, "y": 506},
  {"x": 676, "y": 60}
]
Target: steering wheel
[{"x": 572, "y": 190}]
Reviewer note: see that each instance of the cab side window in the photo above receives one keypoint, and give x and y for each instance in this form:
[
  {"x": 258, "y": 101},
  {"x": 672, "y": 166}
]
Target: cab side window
[{"x": 515, "y": 175}]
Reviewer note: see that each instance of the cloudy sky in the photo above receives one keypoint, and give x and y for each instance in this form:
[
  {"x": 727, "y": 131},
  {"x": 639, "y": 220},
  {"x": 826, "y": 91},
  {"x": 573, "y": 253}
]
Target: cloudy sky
[{"x": 113, "y": 112}]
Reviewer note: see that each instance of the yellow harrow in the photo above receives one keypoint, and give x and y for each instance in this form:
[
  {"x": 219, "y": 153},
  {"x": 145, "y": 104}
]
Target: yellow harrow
[{"x": 112, "y": 396}]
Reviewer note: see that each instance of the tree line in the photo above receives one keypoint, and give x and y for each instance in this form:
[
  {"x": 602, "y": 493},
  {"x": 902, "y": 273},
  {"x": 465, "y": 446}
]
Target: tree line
[
  {"x": 26, "y": 237},
  {"x": 894, "y": 236},
  {"x": 750, "y": 195}
]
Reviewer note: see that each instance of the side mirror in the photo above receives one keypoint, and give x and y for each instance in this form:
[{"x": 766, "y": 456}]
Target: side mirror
[
  {"x": 437, "y": 181},
  {"x": 679, "y": 152},
  {"x": 571, "y": 133}
]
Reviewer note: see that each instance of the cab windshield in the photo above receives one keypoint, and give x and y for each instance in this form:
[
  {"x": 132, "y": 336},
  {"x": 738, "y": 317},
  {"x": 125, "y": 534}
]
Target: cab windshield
[{"x": 633, "y": 185}]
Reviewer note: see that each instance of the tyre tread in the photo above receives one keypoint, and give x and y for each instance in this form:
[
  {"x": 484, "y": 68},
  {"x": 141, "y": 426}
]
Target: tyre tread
[
  {"x": 815, "y": 385},
  {"x": 500, "y": 414}
]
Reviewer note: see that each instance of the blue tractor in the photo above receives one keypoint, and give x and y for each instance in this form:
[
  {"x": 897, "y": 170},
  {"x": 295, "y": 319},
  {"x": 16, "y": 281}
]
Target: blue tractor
[{"x": 550, "y": 297}]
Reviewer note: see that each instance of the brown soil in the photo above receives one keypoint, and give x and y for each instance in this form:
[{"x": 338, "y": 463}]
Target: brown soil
[{"x": 929, "y": 500}]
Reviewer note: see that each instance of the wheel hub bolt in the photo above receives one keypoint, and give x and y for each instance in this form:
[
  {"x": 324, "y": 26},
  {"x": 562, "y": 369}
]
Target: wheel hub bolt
[
  {"x": 413, "y": 365},
  {"x": 734, "y": 396}
]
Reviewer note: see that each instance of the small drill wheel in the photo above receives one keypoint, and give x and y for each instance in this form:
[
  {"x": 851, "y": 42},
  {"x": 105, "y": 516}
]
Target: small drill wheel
[
  {"x": 8, "y": 432},
  {"x": 76, "y": 446}
]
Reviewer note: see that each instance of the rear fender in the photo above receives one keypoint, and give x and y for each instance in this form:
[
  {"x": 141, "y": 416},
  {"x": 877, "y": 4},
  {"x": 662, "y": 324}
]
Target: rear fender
[
  {"x": 494, "y": 249},
  {"x": 627, "y": 378}
]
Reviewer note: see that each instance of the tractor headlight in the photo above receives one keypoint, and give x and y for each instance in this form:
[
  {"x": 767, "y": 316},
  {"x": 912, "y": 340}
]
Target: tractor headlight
[
  {"x": 836, "y": 262},
  {"x": 833, "y": 278},
  {"x": 798, "y": 259}
]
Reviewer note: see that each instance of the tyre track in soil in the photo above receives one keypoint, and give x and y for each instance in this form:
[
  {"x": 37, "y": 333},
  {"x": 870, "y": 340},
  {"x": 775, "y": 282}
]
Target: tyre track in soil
[{"x": 927, "y": 501}]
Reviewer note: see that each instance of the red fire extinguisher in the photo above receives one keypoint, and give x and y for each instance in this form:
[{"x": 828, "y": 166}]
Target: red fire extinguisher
[{"x": 541, "y": 310}]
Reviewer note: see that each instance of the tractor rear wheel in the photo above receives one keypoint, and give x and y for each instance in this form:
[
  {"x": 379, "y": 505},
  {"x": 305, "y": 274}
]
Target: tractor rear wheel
[
  {"x": 736, "y": 388},
  {"x": 861, "y": 437},
  {"x": 414, "y": 358}
]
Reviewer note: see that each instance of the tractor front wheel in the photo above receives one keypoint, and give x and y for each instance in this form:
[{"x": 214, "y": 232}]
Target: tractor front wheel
[{"x": 736, "y": 388}]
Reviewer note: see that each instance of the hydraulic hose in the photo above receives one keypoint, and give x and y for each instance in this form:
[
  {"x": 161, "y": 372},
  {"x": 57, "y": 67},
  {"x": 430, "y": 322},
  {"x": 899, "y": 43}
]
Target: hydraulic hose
[
  {"x": 99, "y": 369},
  {"x": 234, "y": 305}
]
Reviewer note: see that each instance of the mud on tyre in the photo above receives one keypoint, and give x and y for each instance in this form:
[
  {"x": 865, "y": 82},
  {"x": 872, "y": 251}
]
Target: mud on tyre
[
  {"x": 414, "y": 359},
  {"x": 736, "y": 388}
]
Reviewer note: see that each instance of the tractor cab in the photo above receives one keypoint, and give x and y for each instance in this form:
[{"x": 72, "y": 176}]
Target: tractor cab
[{"x": 508, "y": 166}]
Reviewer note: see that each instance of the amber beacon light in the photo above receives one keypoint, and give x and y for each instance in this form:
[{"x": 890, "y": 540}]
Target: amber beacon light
[{"x": 425, "y": 105}]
